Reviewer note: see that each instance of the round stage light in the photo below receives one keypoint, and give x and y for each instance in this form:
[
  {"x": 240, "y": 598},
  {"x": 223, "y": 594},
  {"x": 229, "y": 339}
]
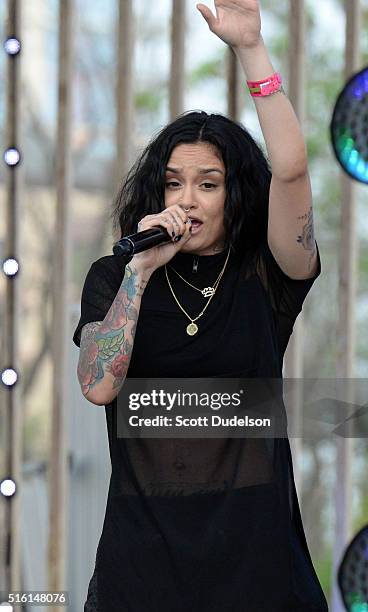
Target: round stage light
[
  {"x": 12, "y": 157},
  {"x": 9, "y": 377},
  {"x": 12, "y": 46},
  {"x": 7, "y": 487},
  {"x": 353, "y": 573},
  {"x": 349, "y": 127},
  {"x": 10, "y": 266}
]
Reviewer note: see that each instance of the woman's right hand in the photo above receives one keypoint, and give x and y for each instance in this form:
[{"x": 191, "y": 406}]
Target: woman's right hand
[{"x": 177, "y": 223}]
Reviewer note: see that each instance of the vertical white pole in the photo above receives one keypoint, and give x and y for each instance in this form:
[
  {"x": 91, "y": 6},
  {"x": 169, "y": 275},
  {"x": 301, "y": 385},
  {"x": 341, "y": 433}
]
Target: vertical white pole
[
  {"x": 177, "y": 70},
  {"x": 13, "y": 414},
  {"x": 58, "y": 467},
  {"x": 346, "y": 341},
  {"x": 124, "y": 89},
  {"x": 293, "y": 361}
]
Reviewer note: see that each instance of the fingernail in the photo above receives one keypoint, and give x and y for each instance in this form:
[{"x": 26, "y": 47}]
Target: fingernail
[{"x": 177, "y": 238}]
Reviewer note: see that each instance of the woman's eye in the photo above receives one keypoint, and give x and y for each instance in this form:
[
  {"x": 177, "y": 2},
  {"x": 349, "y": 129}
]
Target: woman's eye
[
  {"x": 175, "y": 184},
  {"x": 171, "y": 183}
]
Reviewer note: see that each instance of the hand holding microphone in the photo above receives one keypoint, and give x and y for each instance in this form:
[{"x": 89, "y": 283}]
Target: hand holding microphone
[{"x": 177, "y": 232}]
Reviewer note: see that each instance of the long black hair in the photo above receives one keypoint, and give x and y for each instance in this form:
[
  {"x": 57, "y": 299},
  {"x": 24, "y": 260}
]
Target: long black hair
[
  {"x": 247, "y": 180},
  {"x": 247, "y": 184}
]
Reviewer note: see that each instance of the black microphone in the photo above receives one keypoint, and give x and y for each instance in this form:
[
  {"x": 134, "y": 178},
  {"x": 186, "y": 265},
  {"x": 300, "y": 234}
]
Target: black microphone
[{"x": 141, "y": 241}]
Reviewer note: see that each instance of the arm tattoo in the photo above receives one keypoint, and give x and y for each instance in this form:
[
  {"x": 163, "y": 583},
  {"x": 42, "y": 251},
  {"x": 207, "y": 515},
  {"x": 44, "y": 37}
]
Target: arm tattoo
[
  {"x": 106, "y": 346},
  {"x": 306, "y": 238}
]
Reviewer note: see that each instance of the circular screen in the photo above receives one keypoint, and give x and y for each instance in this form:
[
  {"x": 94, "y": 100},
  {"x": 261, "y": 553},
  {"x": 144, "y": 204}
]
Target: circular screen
[
  {"x": 353, "y": 573},
  {"x": 349, "y": 127}
]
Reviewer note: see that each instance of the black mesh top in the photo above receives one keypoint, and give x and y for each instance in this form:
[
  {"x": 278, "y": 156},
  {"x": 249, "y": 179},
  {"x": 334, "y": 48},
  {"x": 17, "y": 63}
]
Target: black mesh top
[{"x": 203, "y": 525}]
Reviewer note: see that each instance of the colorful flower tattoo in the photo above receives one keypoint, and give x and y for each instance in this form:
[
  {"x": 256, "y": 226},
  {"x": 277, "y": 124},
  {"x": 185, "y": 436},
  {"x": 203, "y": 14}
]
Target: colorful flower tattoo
[{"x": 106, "y": 346}]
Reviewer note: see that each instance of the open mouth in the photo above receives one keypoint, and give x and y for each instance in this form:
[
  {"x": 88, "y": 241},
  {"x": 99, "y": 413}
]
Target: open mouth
[{"x": 196, "y": 226}]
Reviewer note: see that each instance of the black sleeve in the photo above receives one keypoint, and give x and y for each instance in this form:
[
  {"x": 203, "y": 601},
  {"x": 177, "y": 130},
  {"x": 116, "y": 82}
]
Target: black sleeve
[
  {"x": 286, "y": 294},
  {"x": 99, "y": 291}
]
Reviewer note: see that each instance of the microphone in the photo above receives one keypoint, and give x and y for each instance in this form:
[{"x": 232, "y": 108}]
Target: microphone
[{"x": 141, "y": 241}]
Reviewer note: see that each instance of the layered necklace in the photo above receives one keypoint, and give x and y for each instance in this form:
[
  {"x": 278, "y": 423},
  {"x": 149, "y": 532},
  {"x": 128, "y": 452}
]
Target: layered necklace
[{"x": 209, "y": 292}]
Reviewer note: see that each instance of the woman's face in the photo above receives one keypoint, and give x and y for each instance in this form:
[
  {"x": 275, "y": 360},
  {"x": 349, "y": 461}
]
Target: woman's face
[{"x": 195, "y": 179}]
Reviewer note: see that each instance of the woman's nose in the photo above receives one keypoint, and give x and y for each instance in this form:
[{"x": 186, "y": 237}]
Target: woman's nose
[{"x": 186, "y": 198}]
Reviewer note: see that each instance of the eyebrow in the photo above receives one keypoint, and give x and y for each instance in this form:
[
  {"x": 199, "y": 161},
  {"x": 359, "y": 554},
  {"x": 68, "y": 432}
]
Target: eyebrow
[{"x": 201, "y": 170}]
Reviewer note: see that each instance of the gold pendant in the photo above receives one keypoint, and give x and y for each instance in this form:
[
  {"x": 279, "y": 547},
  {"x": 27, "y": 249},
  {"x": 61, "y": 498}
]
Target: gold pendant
[
  {"x": 192, "y": 329},
  {"x": 208, "y": 291}
]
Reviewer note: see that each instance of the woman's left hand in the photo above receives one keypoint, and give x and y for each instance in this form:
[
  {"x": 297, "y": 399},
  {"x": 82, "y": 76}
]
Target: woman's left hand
[{"x": 238, "y": 23}]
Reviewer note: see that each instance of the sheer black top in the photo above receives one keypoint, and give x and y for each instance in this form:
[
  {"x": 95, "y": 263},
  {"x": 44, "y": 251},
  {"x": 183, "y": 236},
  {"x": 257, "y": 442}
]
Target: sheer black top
[{"x": 206, "y": 525}]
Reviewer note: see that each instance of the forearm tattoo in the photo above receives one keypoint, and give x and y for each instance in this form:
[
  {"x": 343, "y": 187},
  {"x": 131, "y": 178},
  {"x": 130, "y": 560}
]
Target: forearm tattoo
[
  {"x": 107, "y": 346},
  {"x": 306, "y": 238}
]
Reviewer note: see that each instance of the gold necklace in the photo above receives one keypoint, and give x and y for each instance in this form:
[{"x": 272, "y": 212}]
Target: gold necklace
[
  {"x": 207, "y": 291},
  {"x": 192, "y": 328}
]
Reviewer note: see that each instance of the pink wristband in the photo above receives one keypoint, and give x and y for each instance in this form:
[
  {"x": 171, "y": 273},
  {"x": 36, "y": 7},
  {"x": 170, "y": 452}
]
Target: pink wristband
[{"x": 266, "y": 87}]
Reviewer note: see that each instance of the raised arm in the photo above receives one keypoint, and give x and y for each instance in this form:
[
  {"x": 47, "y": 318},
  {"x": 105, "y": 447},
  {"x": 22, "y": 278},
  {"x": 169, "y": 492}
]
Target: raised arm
[
  {"x": 290, "y": 232},
  {"x": 106, "y": 346}
]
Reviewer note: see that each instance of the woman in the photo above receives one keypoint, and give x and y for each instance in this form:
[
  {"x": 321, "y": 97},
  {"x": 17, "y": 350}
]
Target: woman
[{"x": 208, "y": 524}]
